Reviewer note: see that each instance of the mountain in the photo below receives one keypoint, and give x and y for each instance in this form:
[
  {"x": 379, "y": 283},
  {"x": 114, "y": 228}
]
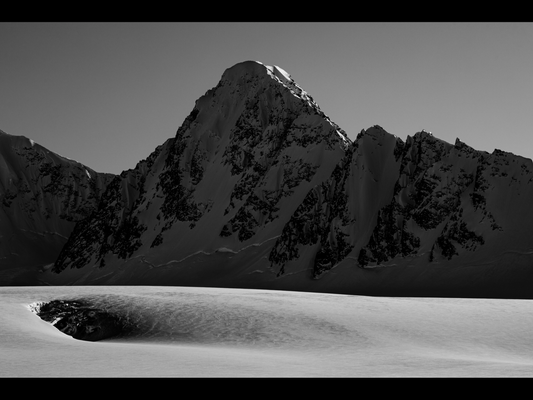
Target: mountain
[
  {"x": 42, "y": 196},
  {"x": 260, "y": 189},
  {"x": 231, "y": 178}
]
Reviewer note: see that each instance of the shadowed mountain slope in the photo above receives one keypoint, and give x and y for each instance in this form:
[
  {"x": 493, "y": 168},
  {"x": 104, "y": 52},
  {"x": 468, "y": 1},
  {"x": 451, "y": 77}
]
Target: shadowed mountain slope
[
  {"x": 42, "y": 196},
  {"x": 260, "y": 189}
]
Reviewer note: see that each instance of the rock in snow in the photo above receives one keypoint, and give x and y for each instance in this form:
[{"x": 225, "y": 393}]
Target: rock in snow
[
  {"x": 258, "y": 170},
  {"x": 81, "y": 320}
]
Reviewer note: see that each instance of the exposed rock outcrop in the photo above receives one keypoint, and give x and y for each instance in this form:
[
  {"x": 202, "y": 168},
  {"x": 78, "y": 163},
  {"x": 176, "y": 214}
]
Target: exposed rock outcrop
[{"x": 77, "y": 318}]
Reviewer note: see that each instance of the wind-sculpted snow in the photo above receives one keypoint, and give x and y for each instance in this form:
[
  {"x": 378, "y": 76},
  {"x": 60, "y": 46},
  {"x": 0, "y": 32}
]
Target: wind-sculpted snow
[
  {"x": 180, "y": 316},
  {"x": 217, "y": 332}
]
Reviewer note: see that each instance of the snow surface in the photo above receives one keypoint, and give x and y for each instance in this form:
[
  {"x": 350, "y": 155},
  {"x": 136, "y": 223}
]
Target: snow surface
[{"x": 212, "y": 332}]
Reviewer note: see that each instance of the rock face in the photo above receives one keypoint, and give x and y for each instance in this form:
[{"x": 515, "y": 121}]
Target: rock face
[
  {"x": 260, "y": 189},
  {"x": 78, "y": 319},
  {"x": 42, "y": 196},
  {"x": 237, "y": 169},
  {"x": 447, "y": 202}
]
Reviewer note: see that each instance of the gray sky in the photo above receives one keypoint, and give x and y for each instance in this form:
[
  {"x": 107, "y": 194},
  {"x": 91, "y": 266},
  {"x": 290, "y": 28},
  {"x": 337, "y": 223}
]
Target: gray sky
[{"x": 106, "y": 94}]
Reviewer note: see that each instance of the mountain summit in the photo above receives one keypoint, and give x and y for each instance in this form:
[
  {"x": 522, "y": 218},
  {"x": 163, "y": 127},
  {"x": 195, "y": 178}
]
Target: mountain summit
[
  {"x": 260, "y": 189},
  {"x": 237, "y": 169}
]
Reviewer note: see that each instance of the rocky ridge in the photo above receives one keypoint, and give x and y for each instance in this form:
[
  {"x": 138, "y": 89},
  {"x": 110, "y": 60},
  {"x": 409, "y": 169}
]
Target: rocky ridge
[
  {"x": 42, "y": 196},
  {"x": 259, "y": 188},
  {"x": 251, "y": 147}
]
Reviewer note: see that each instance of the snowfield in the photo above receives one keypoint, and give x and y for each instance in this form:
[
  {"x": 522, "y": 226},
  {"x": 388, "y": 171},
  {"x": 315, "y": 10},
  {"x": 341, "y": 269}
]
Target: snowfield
[{"x": 215, "y": 332}]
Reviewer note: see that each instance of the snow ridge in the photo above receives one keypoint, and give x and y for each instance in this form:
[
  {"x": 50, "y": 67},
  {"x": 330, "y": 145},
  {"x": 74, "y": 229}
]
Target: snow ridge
[{"x": 286, "y": 79}]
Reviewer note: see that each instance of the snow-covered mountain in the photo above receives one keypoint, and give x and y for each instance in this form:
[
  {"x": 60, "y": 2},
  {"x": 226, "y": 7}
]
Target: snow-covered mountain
[
  {"x": 42, "y": 196},
  {"x": 260, "y": 189}
]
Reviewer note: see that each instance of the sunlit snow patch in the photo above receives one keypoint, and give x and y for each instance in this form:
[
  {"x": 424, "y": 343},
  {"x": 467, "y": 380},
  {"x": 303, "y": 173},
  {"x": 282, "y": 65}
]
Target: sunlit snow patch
[{"x": 225, "y": 250}]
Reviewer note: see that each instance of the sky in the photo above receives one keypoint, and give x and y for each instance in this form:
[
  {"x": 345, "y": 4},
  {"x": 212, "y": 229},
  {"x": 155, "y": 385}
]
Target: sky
[{"x": 107, "y": 94}]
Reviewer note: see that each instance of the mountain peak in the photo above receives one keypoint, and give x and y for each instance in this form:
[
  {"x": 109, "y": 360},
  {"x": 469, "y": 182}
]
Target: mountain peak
[
  {"x": 17, "y": 141},
  {"x": 259, "y": 188},
  {"x": 248, "y": 73},
  {"x": 244, "y": 68},
  {"x": 257, "y": 68}
]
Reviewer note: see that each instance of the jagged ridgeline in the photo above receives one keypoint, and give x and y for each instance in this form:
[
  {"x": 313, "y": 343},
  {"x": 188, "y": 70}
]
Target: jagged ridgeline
[{"x": 259, "y": 188}]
